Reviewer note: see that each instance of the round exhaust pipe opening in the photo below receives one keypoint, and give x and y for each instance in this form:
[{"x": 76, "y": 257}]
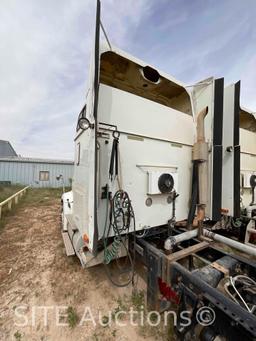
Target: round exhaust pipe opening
[{"x": 150, "y": 74}]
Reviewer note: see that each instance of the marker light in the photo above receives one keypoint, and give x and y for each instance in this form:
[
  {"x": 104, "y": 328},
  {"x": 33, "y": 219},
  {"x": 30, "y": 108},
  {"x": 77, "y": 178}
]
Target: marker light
[{"x": 84, "y": 123}]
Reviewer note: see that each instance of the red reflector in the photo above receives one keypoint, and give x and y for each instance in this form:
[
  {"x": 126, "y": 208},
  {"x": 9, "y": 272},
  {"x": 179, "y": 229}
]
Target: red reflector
[{"x": 167, "y": 292}]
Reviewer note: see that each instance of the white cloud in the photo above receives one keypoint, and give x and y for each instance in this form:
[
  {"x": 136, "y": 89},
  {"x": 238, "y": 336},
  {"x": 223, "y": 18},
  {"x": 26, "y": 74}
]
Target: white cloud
[
  {"x": 42, "y": 74},
  {"x": 45, "y": 48},
  {"x": 248, "y": 84}
]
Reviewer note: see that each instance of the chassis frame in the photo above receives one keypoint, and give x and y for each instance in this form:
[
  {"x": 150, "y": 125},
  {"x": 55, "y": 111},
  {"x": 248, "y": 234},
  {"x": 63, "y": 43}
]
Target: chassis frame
[{"x": 169, "y": 282}]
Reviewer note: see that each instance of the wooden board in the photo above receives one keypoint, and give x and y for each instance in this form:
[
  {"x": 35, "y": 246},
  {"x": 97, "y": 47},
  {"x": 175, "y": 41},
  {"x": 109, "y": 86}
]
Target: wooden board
[
  {"x": 187, "y": 251},
  {"x": 182, "y": 254}
]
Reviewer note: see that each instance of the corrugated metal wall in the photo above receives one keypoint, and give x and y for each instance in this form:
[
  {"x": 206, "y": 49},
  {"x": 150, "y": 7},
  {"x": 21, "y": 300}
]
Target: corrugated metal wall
[{"x": 27, "y": 173}]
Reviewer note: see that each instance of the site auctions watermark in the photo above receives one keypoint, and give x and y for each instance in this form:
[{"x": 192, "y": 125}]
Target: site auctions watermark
[{"x": 30, "y": 316}]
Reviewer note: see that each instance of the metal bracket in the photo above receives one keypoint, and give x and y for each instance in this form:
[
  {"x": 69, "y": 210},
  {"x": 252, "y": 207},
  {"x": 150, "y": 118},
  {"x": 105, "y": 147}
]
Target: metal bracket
[{"x": 154, "y": 272}]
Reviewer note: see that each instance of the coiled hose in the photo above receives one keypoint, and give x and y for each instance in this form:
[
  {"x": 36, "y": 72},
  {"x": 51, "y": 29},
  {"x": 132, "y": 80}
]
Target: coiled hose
[
  {"x": 120, "y": 218},
  {"x": 112, "y": 252}
]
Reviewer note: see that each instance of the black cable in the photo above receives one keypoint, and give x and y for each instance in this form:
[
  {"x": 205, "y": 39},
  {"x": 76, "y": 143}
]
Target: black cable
[
  {"x": 114, "y": 159},
  {"x": 105, "y": 34},
  {"x": 116, "y": 152},
  {"x": 175, "y": 196},
  {"x": 95, "y": 114}
]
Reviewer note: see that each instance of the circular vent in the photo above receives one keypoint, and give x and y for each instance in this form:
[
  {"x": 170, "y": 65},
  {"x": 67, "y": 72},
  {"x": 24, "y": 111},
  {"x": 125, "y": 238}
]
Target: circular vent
[{"x": 165, "y": 183}]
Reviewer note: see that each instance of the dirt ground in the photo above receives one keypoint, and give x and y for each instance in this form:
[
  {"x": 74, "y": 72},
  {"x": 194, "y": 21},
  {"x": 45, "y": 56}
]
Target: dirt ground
[{"x": 35, "y": 272}]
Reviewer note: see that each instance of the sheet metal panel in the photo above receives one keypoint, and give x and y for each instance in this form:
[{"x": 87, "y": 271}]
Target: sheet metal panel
[{"x": 26, "y": 173}]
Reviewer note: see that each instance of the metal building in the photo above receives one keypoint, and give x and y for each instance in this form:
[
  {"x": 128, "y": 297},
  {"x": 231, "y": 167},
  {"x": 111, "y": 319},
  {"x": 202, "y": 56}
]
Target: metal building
[
  {"x": 6, "y": 149},
  {"x": 36, "y": 172}
]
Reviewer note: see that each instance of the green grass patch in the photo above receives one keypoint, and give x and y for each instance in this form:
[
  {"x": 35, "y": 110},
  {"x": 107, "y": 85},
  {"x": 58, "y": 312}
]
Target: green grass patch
[
  {"x": 32, "y": 197},
  {"x": 138, "y": 299},
  {"x": 72, "y": 317},
  {"x": 7, "y": 191},
  {"x": 41, "y": 196},
  {"x": 17, "y": 336}
]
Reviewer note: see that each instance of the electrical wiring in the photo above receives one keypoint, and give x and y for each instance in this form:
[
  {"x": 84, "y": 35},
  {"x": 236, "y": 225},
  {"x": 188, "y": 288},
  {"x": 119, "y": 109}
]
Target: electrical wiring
[
  {"x": 119, "y": 219},
  {"x": 247, "y": 281}
]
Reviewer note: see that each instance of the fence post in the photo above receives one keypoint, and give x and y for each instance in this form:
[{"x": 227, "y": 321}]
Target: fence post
[
  {"x": 10, "y": 205},
  {"x": 13, "y": 199}
]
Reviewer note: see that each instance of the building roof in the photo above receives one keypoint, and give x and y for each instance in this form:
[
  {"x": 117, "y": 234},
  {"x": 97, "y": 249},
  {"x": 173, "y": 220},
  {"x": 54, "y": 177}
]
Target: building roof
[
  {"x": 35, "y": 160},
  {"x": 6, "y": 149}
]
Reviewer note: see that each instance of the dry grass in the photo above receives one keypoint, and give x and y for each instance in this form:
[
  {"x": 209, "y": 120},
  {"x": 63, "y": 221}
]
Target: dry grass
[
  {"x": 41, "y": 196},
  {"x": 34, "y": 271},
  {"x": 34, "y": 197},
  {"x": 7, "y": 191}
]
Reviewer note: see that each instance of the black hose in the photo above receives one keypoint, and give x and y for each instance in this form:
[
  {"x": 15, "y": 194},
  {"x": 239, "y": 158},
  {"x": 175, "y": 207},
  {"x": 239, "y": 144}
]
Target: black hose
[
  {"x": 114, "y": 159},
  {"x": 194, "y": 194},
  {"x": 174, "y": 205}
]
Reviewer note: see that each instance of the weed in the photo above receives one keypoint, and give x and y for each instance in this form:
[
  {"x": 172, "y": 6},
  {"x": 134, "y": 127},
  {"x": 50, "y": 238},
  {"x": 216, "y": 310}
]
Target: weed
[
  {"x": 138, "y": 299},
  {"x": 153, "y": 317},
  {"x": 105, "y": 320},
  {"x": 72, "y": 317},
  {"x": 114, "y": 332},
  {"x": 41, "y": 196},
  {"x": 95, "y": 337},
  {"x": 17, "y": 336},
  {"x": 122, "y": 305}
]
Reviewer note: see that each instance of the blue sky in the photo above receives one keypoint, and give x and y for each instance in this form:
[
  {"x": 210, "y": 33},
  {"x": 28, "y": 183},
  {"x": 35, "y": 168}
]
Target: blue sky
[{"x": 45, "y": 50}]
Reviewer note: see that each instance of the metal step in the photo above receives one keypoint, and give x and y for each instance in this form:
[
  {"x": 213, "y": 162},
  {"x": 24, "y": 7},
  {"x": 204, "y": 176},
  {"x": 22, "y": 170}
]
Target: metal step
[{"x": 68, "y": 245}]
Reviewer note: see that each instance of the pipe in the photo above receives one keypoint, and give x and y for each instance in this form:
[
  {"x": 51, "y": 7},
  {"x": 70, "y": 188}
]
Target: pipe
[
  {"x": 200, "y": 125},
  {"x": 230, "y": 242},
  {"x": 200, "y": 154},
  {"x": 171, "y": 241},
  {"x": 211, "y": 275}
]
